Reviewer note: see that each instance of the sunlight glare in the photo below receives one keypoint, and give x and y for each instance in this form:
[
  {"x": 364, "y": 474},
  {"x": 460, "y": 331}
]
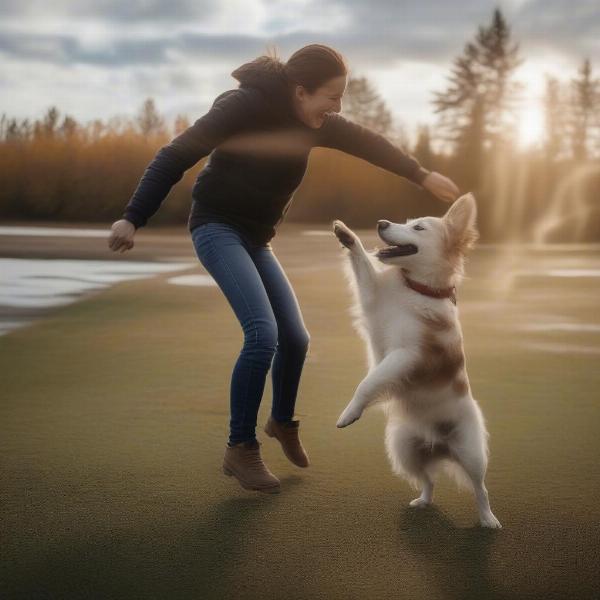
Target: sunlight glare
[
  {"x": 530, "y": 124},
  {"x": 532, "y": 75}
]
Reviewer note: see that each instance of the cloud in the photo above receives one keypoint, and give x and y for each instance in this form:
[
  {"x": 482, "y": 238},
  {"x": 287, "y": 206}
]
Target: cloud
[
  {"x": 97, "y": 57},
  {"x": 560, "y": 26},
  {"x": 436, "y": 30},
  {"x": 68, "y": 50},
  {"x": 369, "y": 33},
  {"x": 112, "y": 10}
]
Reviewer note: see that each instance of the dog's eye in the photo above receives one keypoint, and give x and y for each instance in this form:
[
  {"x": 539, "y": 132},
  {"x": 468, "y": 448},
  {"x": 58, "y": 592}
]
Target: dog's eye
[{"x": 418, "y": 227}]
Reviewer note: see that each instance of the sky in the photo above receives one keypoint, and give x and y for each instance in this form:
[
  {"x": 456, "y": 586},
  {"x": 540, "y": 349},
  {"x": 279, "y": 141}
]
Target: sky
[{"x": 103, "y": 58}]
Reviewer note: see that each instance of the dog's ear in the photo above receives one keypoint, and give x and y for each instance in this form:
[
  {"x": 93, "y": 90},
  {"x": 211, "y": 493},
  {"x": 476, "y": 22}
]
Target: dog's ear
[{"x": 460, "y": 220}]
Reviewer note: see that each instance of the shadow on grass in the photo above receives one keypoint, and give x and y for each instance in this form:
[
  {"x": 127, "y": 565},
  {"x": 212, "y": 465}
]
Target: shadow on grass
[
  {"x": 157, "y": 559},
  {"x": 456, "y": 559}
]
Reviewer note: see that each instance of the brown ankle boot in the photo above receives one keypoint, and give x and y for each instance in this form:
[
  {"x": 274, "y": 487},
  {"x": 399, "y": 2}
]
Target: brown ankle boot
[
  {"x": 243, "y": 461},
  {"x": 287, "y": 434}
]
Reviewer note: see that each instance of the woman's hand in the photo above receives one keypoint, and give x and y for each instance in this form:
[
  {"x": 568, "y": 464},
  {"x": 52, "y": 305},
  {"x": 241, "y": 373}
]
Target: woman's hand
[
  {"x": 441, "y": 187},
  {"x": 121, "y": 236}
]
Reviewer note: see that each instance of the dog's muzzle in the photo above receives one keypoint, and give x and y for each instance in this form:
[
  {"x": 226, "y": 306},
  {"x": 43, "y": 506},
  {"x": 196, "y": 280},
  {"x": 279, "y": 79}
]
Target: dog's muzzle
[
  {"x": 399, "y": 250},
  {"x": 393, "y": 249}
]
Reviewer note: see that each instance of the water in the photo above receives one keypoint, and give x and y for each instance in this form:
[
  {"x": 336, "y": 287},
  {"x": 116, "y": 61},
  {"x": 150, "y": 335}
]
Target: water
[
  {"x": 574, "y": 327},
  {"x": 195, "y": 280},
  {"x": 54, "y": 231},
  {"x": 517, "y": 276},
  {"x": 560, "y": 273},
  {"x": 29, "y": 287},
  {"x": 317, "y": 232}
]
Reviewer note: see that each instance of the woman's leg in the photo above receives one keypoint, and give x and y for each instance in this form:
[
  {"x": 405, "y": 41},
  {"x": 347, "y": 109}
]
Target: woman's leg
[
  {"x": 293, "y": 337},
  {"x": 224, "y": 254}
]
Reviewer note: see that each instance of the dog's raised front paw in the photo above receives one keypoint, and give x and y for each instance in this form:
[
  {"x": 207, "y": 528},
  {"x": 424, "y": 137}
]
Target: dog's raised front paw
[
  {"x": 348, "y": 417},
  {"x": 490, "y": 521},
  {"x": 344, "y": 234}
]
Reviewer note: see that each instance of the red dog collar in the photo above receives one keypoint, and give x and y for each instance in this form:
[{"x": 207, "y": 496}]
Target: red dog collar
[{"x": 429, "y": 291}]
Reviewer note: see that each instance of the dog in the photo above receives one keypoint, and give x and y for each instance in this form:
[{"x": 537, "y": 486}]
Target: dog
[{"x": 405, "y": 310}]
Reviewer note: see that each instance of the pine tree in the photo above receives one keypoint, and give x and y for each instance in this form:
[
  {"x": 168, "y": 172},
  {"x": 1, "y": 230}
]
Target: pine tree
[
  {"x": 554, "y": 119},
  {"x": 47, "y": 127},
  {"x": 149, "y": 121},
  {"x": 500, "y": 59},
  {"x": 363, "y": 105},
  {"x": 584, "y": 111},
  {"x": 69, "y": 127},
  {"x": 476, "y": 109},
  {"x": 181, "y": 124},
  {"x": 422, "y": 151}
]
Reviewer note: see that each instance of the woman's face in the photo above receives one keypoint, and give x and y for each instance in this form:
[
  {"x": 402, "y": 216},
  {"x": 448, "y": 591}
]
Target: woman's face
[{"x": 311, "y": 108}]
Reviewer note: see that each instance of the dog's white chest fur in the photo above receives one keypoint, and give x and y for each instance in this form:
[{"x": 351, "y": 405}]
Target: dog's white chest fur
[
  {"x": 391, "y": 315},
  {"x": 417, "y": 336}
]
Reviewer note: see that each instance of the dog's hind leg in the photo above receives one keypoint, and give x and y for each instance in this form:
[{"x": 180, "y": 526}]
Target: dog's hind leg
[
  {"x": 426, "y": 496},
  {"x": 407, "y": 452},
  {"x": 471, "y": 456}
]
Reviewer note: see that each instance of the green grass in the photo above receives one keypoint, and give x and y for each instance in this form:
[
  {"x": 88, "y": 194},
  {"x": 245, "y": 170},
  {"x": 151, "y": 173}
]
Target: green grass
[{"x": 114, "y": 418}]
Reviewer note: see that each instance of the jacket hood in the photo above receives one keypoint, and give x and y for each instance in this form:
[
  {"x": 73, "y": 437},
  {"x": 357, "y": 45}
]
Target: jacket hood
[{"x": 268, "y": 75}]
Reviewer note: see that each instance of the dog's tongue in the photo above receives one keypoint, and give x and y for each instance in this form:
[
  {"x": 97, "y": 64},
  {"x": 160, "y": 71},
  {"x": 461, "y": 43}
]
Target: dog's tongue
[{"x": 400, "y": 250}]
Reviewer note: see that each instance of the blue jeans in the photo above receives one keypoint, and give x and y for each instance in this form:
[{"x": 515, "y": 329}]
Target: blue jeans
[{"x": 266, "y": 307}]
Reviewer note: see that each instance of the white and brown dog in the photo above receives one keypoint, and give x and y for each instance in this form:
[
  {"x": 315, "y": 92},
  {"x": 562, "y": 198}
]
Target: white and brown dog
[{"x": 406, "y": 313}]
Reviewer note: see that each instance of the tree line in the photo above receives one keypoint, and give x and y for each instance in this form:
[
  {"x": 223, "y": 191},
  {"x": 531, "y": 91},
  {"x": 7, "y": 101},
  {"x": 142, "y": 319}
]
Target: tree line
[{"x": 58, "y": 169}]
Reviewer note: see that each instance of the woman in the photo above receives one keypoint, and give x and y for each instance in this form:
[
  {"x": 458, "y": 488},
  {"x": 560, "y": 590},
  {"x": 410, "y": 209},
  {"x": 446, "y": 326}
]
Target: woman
[{"x": 259, "y": 137}]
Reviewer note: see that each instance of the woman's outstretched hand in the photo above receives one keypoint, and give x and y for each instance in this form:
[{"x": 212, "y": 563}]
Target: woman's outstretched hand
[
  {"x": 442, "y": 187},
  {"x": 121, "y": 236}
]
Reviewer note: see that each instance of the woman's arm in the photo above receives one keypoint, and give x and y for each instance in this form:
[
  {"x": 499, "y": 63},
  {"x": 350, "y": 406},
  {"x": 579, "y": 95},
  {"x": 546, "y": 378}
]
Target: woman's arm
[
  {"x": 342, "y": 134},
  {"x": 229, "y": 113}
]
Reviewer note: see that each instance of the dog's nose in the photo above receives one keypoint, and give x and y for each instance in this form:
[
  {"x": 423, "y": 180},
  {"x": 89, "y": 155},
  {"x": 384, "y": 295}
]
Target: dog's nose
[{"x": 382, "y": 224}]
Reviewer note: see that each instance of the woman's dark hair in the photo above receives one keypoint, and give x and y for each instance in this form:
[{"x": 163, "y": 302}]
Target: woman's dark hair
[{"x": 310, "y": 67}]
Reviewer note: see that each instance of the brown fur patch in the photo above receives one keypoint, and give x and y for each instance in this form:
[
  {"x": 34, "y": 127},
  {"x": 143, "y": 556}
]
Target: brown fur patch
[
  {"x": 427, "y": 452},
  {"x": 460, "y": 385},
  {"x": 439, "y": 364}
]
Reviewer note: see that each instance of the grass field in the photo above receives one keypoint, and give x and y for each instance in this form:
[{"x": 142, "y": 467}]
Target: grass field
[{"x": 114, "y": 417}]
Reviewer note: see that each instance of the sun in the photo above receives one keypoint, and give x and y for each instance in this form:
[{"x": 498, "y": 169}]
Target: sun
[
  {"x": 530, "y": 122},
  {"x": 530, "y": 114}
]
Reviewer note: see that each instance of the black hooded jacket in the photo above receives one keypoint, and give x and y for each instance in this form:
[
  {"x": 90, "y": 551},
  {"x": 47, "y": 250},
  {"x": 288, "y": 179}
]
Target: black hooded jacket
[{"x": 258, "y": 153}]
